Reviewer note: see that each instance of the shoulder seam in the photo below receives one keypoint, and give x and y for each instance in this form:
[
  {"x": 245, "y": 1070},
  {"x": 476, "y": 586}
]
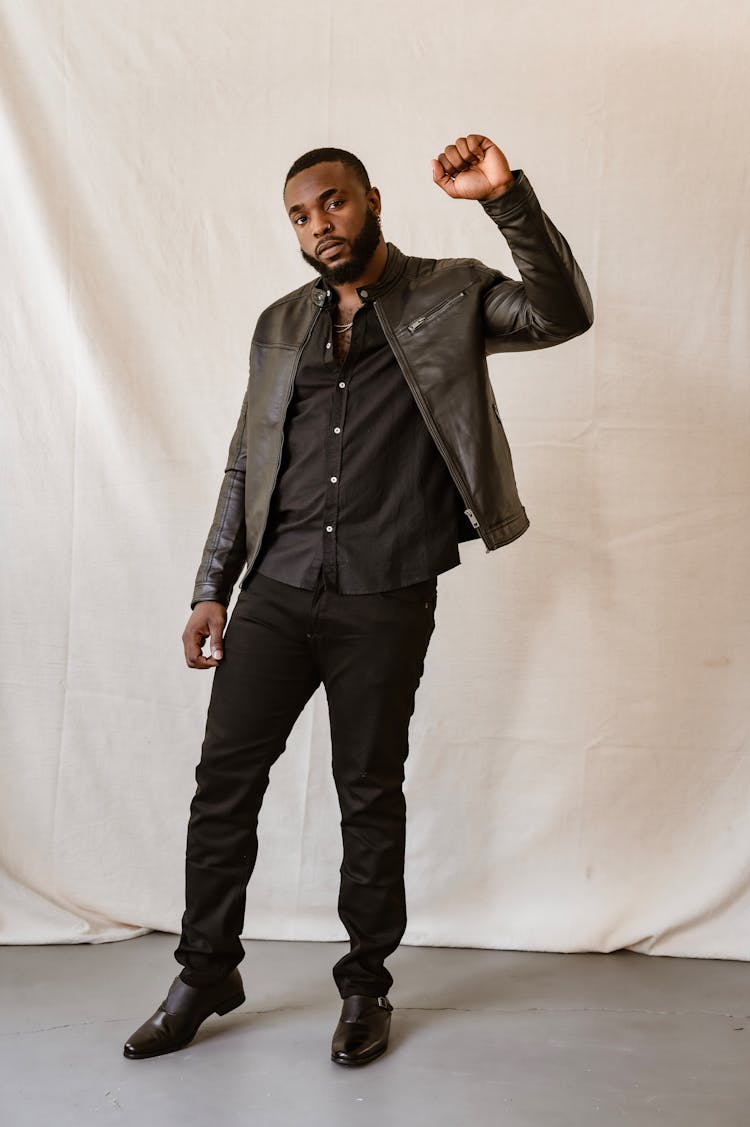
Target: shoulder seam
[{"x": 293, "y": 296}]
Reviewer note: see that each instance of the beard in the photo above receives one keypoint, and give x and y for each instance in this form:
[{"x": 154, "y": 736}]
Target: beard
[{"x": 362, "y": 248}]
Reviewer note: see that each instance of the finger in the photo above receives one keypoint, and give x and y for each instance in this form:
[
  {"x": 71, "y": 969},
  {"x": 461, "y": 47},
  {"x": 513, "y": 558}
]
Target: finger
[
  {"x": 443, "y": 179},
  {"x": 447, "y": 166},
  {"x": 467, "y": 154},
  {"x": 456, "y": 159},
  {"x": 201, "y": 662},
  {"x": 193, "y": 646},
  {"x": 478, "y": 144},
  {"x": 217, "y": 645}
]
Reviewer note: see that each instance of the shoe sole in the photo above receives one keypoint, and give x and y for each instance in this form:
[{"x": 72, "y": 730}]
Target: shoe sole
[{"x": 224, "y": 1008}]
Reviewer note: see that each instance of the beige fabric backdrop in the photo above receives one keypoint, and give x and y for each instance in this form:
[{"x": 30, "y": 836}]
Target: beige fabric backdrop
[{"x": 580, "y": 768}]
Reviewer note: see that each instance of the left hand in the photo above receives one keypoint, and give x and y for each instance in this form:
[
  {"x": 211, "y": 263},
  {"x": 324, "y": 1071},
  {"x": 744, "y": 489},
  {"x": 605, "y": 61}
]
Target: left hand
[{"x": 472, "y": 169}]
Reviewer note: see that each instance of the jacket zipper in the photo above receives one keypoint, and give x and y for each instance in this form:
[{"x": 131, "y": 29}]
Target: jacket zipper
[
  {"x": 390, "y": 337},
  {"x": 414, "y": 325},
  {"x": 290, "y": 390},
  {"x": 474, "y": 521}
]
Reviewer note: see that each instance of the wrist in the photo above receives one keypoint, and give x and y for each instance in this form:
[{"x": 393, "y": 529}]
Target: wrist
[{"x": 499, "y": 189}]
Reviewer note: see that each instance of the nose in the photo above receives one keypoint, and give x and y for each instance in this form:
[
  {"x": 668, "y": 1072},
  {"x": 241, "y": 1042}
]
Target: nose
[{"x": 321, "y": 224}]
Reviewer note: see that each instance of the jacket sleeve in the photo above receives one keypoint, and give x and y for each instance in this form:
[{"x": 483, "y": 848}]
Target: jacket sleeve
[
  {"x": 224, "y": 554},
  {"x": 551, "y": 303}
]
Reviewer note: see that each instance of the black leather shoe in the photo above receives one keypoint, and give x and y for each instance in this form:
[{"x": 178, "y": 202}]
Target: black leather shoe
[
  {"x": 177, "y": 1019},
  {"x": 362, "y": 1032}
]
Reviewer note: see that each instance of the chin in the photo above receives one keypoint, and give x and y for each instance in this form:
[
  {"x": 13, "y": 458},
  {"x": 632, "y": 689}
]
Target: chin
[
  {"x": 329, "y": 265},
  {"x": 345, "y": 270}
]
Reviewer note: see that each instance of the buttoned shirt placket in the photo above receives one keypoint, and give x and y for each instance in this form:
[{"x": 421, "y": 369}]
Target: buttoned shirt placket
[{"x": 333, "y": 448}]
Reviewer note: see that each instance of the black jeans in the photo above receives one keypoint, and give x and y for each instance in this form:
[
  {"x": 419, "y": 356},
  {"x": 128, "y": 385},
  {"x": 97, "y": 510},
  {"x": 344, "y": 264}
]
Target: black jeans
[{"x": 280, "y": 643}]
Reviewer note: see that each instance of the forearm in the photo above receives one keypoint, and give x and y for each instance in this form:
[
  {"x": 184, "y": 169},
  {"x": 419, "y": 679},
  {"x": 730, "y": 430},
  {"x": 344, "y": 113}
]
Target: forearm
[
  {"x": 552, "y": 302},
  {"x": 224, "y": 552}
]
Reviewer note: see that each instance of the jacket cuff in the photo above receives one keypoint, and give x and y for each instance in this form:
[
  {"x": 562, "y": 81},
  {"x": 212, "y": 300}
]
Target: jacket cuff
[
  {"x": 205, "y": 595},
  {"x": 512, "y": 200}
]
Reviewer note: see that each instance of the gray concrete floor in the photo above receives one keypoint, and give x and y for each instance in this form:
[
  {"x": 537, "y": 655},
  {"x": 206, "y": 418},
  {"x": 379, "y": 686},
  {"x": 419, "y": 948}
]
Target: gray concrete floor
[{"x": 477, "y": 1037}]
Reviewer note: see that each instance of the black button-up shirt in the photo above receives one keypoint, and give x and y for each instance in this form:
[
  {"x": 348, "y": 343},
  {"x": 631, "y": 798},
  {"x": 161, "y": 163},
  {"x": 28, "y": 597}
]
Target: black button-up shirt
[{"x": 362, "y": 492}]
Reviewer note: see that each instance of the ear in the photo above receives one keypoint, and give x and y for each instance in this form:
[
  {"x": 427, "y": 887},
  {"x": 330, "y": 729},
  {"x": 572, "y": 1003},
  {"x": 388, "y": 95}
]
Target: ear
[{"x": 373, "y": 200}]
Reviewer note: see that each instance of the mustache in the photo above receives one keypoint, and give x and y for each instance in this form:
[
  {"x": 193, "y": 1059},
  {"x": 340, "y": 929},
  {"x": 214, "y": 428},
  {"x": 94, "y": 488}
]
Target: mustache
[{"x": 325, "y": 243}]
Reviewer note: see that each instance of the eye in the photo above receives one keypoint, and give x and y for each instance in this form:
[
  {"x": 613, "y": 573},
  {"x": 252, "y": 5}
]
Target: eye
[
  {"x": 299, "y": 220},
  {"x": 335, "y": 203}
]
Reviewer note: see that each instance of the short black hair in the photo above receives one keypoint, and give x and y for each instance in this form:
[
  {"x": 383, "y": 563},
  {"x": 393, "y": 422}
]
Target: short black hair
[{"x": 318, "y": 156}]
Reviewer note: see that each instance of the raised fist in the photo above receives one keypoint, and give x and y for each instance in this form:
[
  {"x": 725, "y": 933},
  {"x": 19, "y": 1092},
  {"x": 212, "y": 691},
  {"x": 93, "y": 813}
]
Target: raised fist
[{"x": 472, "y": 169}]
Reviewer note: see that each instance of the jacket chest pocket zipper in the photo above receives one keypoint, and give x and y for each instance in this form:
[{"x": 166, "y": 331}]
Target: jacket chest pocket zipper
[{"x": 419, "y": 321}]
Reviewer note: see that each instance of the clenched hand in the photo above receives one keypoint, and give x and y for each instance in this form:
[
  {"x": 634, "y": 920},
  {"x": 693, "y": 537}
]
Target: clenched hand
[
  {"x": 472, "y": 169},
  {"x": 207, "y": 621}
]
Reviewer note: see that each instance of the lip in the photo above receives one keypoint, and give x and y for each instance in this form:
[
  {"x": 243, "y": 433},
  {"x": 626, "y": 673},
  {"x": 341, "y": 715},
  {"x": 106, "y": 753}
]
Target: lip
[{"x": 329, "y": 248}]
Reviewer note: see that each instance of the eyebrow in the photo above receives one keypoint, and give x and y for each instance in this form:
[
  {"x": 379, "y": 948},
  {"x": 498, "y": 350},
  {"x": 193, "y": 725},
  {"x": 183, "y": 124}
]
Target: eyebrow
[{"x": 321, "y": 199}]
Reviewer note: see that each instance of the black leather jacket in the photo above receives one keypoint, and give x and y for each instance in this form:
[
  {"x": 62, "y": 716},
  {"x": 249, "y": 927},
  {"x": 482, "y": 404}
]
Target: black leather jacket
[{"x": 442, "y": 318}]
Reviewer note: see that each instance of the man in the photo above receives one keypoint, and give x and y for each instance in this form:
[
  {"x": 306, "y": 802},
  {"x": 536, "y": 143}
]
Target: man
[{"x": 368, "y": 446}]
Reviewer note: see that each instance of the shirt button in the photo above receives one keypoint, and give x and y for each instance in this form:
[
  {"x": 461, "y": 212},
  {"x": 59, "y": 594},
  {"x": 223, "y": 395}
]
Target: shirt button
[
  {"x": 329, "y": 528},
  {"x": 334, "y": 479},
  {"x": 363, "y": 293},
  {"x": 342, "y": 384},
  {"x": 328, "y": 344},
  {"x": 337, "y": 430}
]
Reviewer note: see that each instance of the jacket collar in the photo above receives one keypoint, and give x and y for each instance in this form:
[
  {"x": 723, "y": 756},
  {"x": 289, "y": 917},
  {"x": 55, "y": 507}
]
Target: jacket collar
[{"x": 392, "y": 272}]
